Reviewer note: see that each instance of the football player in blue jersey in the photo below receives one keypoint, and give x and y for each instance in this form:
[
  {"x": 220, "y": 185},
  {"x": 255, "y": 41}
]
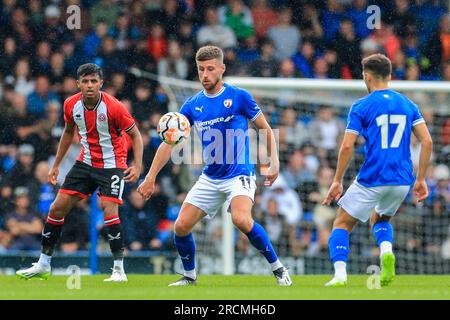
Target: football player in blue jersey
[
  {"x": 220, "y": 115},
  {"x": 386, "y": 119}
]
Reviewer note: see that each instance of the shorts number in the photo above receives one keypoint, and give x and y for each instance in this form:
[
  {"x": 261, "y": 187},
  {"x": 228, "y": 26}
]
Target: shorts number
[
  {"x": 115, "y": 182},
  {"x": 243, "y": 180}
]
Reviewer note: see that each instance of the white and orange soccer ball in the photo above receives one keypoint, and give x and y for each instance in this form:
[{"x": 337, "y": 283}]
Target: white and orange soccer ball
[{"x": 173, "y": 127}]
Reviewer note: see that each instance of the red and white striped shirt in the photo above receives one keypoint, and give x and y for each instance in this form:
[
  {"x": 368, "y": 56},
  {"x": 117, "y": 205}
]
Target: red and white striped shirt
[{"x": 99, "y": 130}]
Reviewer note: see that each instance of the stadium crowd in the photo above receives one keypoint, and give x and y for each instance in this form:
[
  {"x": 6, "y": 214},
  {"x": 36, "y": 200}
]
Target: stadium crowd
[{"x": 261, "y": 38}]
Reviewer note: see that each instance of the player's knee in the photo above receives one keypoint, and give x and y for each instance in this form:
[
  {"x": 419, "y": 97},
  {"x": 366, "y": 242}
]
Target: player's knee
[
  {"x": 182, "y": 228},
  {"x": 242, "y": 222},
  {"x": 58, "y": 209}
]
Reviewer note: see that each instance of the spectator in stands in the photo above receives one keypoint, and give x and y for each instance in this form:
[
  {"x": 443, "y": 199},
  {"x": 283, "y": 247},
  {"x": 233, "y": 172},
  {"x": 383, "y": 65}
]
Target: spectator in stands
[
  {"x": 39, "y": 98},
  {"x": 53, "y": 30},
  {"x": 109, "y": 58},
  {"x": 23, "y": 31},
  {"x": 304, "y": 59},
  {"x": 93, "y": 40},
  {"x": 248, "y": 52},
  {"x": 123, "y": 33},
  {"x": 386, "y": 38},
  {"x": 76, "y": 229},
  {"x": 289, "y": 204},
  {"x": 437, "y": 50},
  {"x": 157, "y": 42},
  {"x": 57, "y": 71},
  {"x": 285, "y": 36},
  {"x": 327, "y": 129},
  {"x": 173, "y": 65},
  {"x": 104, "y": 10},
  {"x": 295, "y": 174},
  {"x": 321, "y": 68},
  {"x": 294, "y": 132},
  {"x": 41, "y": 63},
  {"x": 23, "y": 171},
  {"x": 140, "y": 222},
  {"x": 23, "y": 83},
  {"x": 10, "y": 54},
  {"x": 360, "y": 16},
  {"x": 331, "y": 18},
  {"x": 323, "y": 216},
  {"x": 212, "y": 32},
  {"x": 170, "y": 17},
  {"x": 347, "y": 46},
  {"x": 264, "y": 17},
  {"x": 42, "y": 192},
  {"x": 309, "y": 21},
  {"x": 236, "y": 15},
  {"x": 276, "y": 226},
  {"x": 266, "y": 65},
  {"x": 401, "y": 18},
  {"x": 23, "y": 224}
]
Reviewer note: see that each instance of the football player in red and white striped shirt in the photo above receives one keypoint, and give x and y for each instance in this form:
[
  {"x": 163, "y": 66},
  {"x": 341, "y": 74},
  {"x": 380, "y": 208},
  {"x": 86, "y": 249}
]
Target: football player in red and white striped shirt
[{"x": 101, "y": 121}]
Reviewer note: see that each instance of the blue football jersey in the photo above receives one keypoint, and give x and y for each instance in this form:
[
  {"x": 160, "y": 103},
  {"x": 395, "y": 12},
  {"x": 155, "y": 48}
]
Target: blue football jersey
[
  {"x": 220, "y": 120},
  {"x": 385, "y": 118}
]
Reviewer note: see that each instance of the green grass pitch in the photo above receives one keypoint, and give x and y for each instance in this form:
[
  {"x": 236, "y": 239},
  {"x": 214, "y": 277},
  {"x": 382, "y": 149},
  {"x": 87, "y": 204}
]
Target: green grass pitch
[{"x": 218, "y": 287}]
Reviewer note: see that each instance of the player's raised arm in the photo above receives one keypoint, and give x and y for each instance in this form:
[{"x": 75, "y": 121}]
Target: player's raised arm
[
  {"x": 63, "y": 146},
  {"x": 426, "y": 147},
  {"x": 134, "y": 171},
  {"x": 345, "y": 155},
  {"x": 261, "y": 123},
  {"x": 162, "y": 156}
]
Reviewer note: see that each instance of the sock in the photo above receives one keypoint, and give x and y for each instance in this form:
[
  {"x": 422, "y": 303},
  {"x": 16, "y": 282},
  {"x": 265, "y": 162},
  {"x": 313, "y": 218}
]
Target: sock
[
  {"x": 115, "y": 237},
  {"x": 340, "y": 270},
  {"x": 186, "y": 249},
  {"x": 276, "y": 265},
  {"x": 384, "y": 235},
  {"x": 339, "y": 245},
  {"x": 260, "y": 240},
  {"x": 45, "y": 259},
  {"x": 51, "y": 234},
  {"x": 118, "y": 264}
]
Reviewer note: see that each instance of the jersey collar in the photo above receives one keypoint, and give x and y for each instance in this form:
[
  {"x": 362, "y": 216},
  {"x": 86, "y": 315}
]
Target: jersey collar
[
  {"x": 216, "y": 94},
  {"x": 96, "y": 104}
]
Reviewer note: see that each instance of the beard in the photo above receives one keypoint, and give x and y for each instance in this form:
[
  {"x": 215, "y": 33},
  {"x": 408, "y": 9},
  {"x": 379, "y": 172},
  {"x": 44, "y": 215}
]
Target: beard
[{"x": 210, "y": 85}]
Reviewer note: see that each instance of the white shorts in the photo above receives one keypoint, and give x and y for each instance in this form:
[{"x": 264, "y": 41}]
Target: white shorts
[
  {"x": 210, "y": 194},
  {"x": 359, "y": 201}
]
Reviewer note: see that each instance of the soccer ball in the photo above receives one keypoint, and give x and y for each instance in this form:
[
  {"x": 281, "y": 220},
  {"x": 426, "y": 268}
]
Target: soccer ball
[{"x": 173, "y": 127}]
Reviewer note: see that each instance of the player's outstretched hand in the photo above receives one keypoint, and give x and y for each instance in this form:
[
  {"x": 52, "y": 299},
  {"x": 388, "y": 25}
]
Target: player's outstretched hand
[
  {"x": 334, "y": 193},
  {"x": 146, "y": 188},
  {"x": 132, "y": 174},
  {"x": 271, "y": 176},
  {"x": 53, "y": 175},
  {"x": 420, "y": 190}
]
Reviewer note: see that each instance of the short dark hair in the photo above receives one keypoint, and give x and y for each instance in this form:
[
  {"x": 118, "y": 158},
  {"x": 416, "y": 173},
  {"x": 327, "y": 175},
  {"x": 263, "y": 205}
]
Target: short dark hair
[
  {"x": 88, "y": 69},
  {"x": 377, "y": 64},
  {"x": 208, "y": 53}
]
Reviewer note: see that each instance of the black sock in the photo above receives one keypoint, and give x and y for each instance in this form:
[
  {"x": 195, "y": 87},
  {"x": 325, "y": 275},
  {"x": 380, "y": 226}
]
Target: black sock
[
  {"x": 51, "y": 234},
  {"x": 115, "y": 238}
]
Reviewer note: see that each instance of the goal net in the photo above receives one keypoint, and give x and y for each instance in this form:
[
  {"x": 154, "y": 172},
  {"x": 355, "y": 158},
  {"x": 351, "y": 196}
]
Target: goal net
[{"x": 310, "y": 116}]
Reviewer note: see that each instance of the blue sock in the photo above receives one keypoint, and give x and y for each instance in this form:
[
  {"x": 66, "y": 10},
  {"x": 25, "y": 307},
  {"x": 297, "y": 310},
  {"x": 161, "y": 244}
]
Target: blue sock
[
  {"x": 260, "y": 240},
  {"x": 339, "y": 245},
  {"x": 186, "y": 249},
  {"x": 383, "y": 232}
]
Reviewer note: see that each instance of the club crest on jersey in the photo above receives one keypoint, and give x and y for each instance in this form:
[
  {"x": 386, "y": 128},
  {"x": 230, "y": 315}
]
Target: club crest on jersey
[
  {"x": 101, "y": 117},
  {"x": 227, "y": 103}
]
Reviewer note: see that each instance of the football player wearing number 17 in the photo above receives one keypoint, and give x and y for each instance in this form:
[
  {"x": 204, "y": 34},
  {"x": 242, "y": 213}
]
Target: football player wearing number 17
[
  {"x": 385, "y": 118},
  {"x": 229, "y": 175}
]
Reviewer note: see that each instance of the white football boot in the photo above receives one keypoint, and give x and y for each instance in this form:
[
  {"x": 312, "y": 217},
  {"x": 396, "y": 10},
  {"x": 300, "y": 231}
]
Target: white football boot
[
  {"x": 37, "y": 270},
  {"x": 282, "y": 276},
  {"x": 118, "y": 275}
]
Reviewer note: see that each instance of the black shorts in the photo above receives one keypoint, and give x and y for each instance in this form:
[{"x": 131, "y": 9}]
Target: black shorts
[{"x": 82, "y": 180}]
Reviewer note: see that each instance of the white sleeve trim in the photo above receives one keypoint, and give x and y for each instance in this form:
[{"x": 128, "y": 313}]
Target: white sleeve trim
[
  {"x": 418, "y": 121},
  {"x": 352, "y": 131},
  {"x": 256, "y": 115}
]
